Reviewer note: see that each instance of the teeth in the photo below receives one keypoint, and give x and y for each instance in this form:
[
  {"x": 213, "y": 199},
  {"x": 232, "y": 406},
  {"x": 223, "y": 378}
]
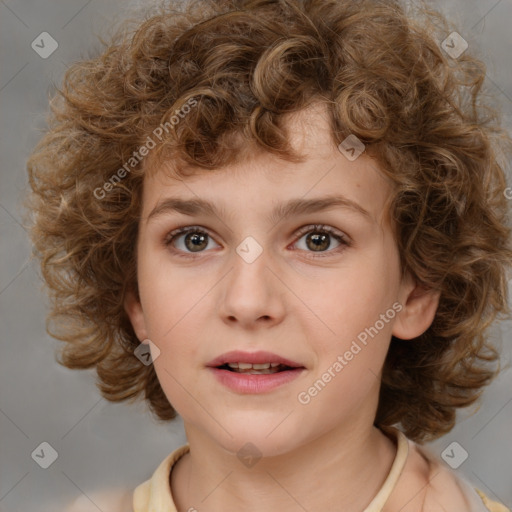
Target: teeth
[
  {"x": 255, "y": 369},
  {"x": 249, "y": 366},
  {"x": 263, "y": 366}
]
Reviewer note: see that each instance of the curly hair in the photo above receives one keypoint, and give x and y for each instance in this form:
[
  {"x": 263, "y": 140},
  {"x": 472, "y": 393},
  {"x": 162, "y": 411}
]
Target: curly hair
[{"x": 245, "y": 65}]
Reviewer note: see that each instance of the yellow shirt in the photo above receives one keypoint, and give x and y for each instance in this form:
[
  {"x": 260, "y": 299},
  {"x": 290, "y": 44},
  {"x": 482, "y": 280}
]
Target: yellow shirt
[{"x": 154, "y": 495}]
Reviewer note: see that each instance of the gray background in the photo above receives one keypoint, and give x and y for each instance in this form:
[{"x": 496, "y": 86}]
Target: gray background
[{"x": 101, "y": 444}]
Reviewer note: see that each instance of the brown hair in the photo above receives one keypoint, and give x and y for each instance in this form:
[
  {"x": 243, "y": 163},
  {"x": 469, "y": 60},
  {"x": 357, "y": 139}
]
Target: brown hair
[{"x": 247, "y": 64}]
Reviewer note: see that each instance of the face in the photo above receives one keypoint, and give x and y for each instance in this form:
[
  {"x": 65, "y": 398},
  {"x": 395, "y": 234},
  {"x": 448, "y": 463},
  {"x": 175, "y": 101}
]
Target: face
[{"x": 319, "y": 288}]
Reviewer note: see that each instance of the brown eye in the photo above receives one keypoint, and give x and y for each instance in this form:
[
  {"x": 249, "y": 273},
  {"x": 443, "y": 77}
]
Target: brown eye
[
  {"x": 319, "y": 239},
  {"x": 319, "y": 242},
  {"x": 195, "y": 241},
  {"x": 188, "y": 240}
]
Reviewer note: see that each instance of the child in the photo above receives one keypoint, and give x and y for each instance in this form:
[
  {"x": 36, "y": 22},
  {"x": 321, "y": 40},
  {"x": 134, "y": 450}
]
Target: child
[{"x": 285, "y": 221}]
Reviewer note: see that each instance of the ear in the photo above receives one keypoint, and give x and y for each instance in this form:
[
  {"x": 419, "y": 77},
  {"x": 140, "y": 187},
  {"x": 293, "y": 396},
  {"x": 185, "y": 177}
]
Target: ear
[
  {"x": 133, "y": 309},
  {"x": 419, "y": 306}
]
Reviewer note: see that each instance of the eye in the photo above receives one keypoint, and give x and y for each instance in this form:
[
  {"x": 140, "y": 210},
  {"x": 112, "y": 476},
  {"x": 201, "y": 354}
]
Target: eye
[
  {"x": 318, "y": 238},
  {"x": 194, "y": 240}
]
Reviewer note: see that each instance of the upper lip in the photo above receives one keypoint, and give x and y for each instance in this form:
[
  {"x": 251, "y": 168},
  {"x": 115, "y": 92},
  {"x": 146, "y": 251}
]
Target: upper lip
[{"x": 238, "y": 356}]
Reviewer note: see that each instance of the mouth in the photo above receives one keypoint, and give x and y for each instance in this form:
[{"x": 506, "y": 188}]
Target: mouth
[
  {"x": 253, "y": 362},
  {"x": 256, "y": 372}
]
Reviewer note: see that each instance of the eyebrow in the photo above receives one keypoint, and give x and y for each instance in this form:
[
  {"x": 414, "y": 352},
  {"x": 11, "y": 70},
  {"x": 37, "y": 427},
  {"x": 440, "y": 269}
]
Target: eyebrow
[{"x": 282, "y": 211}]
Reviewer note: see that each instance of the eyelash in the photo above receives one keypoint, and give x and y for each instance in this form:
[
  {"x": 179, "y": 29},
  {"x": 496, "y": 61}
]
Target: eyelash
[{"x": 317, "y": 228}]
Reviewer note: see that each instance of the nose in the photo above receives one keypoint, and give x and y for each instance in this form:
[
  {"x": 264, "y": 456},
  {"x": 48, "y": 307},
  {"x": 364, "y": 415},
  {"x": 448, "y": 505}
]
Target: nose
[{"x": 252, "y": 293}]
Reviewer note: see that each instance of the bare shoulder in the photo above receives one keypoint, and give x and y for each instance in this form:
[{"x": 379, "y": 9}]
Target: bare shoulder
[{"x": 112, "y": 500}]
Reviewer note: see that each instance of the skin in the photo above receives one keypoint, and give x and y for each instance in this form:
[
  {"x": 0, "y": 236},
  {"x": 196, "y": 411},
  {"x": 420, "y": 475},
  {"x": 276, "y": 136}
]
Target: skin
[{"x": 302, "y": 304}]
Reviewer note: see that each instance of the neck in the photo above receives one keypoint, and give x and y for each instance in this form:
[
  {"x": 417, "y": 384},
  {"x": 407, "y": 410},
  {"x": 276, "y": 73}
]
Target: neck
[{"x": 352, "y": 463}]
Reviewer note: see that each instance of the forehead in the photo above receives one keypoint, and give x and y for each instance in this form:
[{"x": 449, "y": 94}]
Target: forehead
[{"x": 262, "y": 181}]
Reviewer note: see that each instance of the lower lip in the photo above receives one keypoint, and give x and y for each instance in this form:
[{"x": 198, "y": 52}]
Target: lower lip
[{"x": 247, "y": 384}]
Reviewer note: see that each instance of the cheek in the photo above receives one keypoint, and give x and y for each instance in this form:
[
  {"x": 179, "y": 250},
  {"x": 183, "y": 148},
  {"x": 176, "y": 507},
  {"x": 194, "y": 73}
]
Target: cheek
[
  {"x": 174, "y": 306},
  {"x": 357, "y": 304},
  {"x": 170, "y": 296}
]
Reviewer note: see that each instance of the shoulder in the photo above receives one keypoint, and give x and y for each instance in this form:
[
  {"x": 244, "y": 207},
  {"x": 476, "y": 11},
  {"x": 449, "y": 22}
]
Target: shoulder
[
  {"x": 133, "y": 500},
  {"x": 428, "y": 485},
  {"x": 113, "y": 500}
]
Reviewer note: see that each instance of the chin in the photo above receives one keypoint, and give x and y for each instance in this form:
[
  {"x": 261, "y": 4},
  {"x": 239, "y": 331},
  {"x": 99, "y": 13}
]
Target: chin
[
  {"x": 265, "y": 438},
  {"x": 257, "y": 447}
]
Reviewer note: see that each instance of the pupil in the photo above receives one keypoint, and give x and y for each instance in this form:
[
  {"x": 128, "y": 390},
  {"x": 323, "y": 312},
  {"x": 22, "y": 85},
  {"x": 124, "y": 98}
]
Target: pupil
[
  {"x": 198, "y": 241},
  {"x": 319, "y": 241}
]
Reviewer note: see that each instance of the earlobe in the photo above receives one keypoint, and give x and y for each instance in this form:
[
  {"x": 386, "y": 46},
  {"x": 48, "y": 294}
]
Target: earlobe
[
  {"x": 133, "y": 309},
  {"x": 418, "y": 312}
]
